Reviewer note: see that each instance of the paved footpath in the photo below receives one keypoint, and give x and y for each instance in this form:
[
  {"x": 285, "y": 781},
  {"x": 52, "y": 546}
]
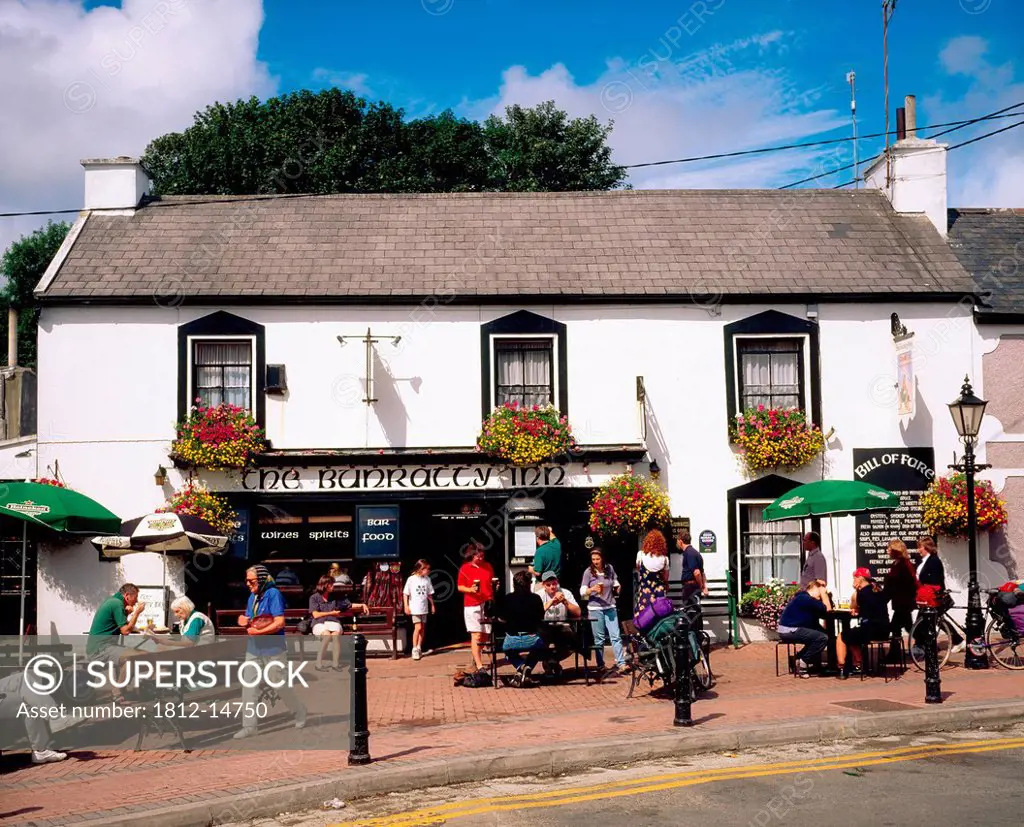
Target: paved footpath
[{"x": 417, "y": 715}]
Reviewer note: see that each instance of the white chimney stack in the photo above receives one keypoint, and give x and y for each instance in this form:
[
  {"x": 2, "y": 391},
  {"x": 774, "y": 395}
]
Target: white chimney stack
[
  {"x": 914, "y": 180},
  {"x": 115, "y": 185}
]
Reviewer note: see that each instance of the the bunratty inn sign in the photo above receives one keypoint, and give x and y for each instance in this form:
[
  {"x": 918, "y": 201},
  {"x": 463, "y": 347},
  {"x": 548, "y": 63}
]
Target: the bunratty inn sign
[
  {"x": 906, "y": 472},
  {"x": 412, "y": 478}
]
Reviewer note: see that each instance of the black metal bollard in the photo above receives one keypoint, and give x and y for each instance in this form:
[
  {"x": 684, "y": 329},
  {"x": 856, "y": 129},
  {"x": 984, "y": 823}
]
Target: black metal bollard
[
  {"x": 359, "y": 752},
  {"x": 932, "y": 681},
  {"x": 684, "y": 666}
]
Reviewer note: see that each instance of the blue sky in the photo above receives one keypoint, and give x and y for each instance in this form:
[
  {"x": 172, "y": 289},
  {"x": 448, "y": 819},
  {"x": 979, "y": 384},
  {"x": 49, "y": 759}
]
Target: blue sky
[{"x": 86, "y": 79}]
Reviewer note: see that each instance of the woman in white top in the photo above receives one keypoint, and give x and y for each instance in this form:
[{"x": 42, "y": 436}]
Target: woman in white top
[
  {"x": 195, "y": 627},
  {"x": 652, "y": 566}
]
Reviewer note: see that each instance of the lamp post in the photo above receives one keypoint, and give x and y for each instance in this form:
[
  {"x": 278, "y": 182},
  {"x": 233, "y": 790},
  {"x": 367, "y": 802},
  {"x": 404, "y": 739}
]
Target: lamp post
[{"x": 967, "y": 413}]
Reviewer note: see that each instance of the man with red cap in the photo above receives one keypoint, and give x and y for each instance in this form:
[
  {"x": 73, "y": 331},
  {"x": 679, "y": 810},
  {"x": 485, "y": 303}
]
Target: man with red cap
[{"x": 867, "y": 605}]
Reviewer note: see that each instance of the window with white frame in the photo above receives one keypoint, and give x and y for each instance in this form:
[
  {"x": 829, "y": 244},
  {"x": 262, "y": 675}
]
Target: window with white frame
[
  {"x": 771, "y": 372},
  {"x": 524, "y": 370},
  {"x": 768, "y": 549},
  {"x": 222, "y": 371}
]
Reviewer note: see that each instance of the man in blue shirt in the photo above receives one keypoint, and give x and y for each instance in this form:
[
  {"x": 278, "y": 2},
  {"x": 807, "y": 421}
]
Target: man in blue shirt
[
  {"x": 801, "y": 623},
  {"x": 694, "y": 582}
]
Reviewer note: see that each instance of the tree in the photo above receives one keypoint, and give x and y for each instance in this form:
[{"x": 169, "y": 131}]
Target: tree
[
  {"x": 23, "y": 266},
  {"x": 333, "y": 141}
]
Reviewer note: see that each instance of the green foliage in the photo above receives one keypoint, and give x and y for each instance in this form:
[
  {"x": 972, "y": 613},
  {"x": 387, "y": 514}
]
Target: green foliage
[
  {"x": 333, "y": 141},
  {"x": 23, "y": 266}
]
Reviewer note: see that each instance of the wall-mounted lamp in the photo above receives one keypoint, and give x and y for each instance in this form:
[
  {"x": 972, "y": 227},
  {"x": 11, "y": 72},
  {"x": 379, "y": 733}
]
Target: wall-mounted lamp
[
  {"x": 655, "y": 470},
  {"x": 898, "y": 329},
  {"x": 24, "y": 454},
  {"x": 160, "y": 477}
]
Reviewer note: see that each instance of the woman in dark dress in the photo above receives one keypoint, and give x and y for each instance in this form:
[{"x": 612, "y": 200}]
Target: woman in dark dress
[
  {"x": 868, "y": 606},
  {"x": 900, "y": 589},
  {"x": 652, "y": 570}
]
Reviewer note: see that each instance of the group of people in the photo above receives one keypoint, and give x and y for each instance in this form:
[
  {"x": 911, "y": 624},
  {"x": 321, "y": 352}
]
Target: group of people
[
  {"x": 801, "y": 620},
  {"x": 537, "y": 614}
]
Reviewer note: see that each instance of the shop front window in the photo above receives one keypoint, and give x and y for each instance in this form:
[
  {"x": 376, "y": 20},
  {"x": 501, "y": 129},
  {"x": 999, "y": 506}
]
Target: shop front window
[{"x": 770, "y": 550}]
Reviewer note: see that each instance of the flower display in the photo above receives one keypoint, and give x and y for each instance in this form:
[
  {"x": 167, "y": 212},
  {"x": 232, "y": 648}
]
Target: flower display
[
  {"x": 50, "y": 481},
  {"x": 944, "y": 506},
  {"x": 771, "y": 438},
  {"x": 525, "y": 435},
  {"x": 196, "y": 499},
  {"x": 628, "y": 503},
  {"x": 766, "y": 602},
  {"x": 220, "y": 437}
]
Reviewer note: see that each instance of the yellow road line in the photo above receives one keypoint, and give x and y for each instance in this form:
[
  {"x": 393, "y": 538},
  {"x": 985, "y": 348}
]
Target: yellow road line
[{"x": 636, "y": 786}]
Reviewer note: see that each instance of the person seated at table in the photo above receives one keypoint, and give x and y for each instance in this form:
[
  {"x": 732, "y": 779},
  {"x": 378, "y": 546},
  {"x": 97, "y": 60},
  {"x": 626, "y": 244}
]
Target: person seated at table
[
  {"x": 326, "y": 616},
  {"x": 867, "y": 604},
  {"x": 559, "y": 606},
  {"x": 194, "y": 625},
  {"x": 801, "y": 623},
  {"x": 339, "y": 575},
  {"x": 522, "y": 613},
  {"x": 287, "y": 577}
]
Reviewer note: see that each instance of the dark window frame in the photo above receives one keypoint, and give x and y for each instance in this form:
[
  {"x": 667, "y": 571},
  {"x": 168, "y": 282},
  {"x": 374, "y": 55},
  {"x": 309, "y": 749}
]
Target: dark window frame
[
  {"x": 748, "y": 344},
  {"x": 194, "y": 365},
  {"x": 524, "y": 323},
  {"x": 773, "y": 324},
  {"x": 224, "y": 326},
  {"x": 509, "y": 343}
]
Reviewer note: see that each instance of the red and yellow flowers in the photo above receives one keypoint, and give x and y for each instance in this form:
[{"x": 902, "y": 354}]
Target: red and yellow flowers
[
  {"x": 524, "y": 435},
  {"x": 220, "y": 437},
  {"x": 628, "y": 503},
  {"x": 771, "y": 438},
  {"x": 50, "y": 481},
  {"x": 944, "y": 506},
  {"x": 196, "y": 499}
]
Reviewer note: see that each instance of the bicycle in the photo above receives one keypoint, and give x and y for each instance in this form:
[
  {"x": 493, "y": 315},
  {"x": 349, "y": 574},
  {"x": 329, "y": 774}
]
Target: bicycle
[{"x": 1001, "y": 638}]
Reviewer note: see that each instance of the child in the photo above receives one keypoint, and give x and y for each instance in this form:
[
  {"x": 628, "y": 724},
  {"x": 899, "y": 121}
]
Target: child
[{"x": 419, "y": 600}]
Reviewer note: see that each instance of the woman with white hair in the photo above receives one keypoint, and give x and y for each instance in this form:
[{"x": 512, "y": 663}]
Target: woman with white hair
[{"x": 194, "y": 625}]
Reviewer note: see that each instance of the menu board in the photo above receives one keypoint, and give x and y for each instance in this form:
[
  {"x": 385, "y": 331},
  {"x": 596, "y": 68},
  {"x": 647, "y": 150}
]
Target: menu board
[
  {"x": 906, "y": 472},
  {"x": 155, "y": 598}
]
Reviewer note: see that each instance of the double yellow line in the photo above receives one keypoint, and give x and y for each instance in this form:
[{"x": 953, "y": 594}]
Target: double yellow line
[{"x": 636, "y": 786}]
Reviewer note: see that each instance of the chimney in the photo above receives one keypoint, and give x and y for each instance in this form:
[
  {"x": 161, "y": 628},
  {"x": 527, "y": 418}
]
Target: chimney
[
  {"x": 116, "y": 185},
  {"x": 918, "y": 175}
]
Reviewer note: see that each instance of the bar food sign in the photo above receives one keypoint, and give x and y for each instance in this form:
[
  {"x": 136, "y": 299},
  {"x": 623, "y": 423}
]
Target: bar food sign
[{"x": 377, "y": 531}]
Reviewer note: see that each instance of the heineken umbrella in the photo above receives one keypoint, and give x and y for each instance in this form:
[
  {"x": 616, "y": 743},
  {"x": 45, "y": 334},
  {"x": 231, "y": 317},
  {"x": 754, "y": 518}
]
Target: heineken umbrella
[
  {"x": 60, "y": 509},
  {"x": 831, "y": 498}
]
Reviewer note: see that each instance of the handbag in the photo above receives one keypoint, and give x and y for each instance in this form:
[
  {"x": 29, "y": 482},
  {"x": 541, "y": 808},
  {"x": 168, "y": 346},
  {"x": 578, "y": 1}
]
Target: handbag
[
  {"x": 261, "y": 621},
  {"x": 305, "y": 626}
]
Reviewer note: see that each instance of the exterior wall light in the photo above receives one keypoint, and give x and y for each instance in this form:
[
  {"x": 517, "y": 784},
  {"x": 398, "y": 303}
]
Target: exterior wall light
[{"x": 160, "y": 477}]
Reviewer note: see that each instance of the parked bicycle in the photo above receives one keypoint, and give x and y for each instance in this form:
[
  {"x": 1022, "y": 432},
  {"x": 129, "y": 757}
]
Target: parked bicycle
[{"x": 1002, "y": 639}]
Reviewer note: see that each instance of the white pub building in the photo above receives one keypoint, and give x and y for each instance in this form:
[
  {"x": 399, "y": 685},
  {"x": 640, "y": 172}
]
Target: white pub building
[{"x": 371, "y": 334}]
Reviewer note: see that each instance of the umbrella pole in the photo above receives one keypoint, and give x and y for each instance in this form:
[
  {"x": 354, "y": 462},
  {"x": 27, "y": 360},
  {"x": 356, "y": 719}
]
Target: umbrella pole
[
  {"x": 165, "y": 588},
  {"x": 835, "y": 560},
  {"x": 21, "y": 622}
]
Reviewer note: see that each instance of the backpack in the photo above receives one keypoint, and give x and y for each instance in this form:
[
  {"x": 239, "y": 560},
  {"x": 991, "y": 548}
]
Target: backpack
[
  {"x": 661, "y": 629},
  {"x": 473, "y": 680}
]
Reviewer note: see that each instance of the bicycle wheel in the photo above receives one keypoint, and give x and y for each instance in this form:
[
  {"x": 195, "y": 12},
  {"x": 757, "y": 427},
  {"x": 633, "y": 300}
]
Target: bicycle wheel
[
  {"x": 1005, "y": 645},
  {"x": 943, "y": 643},
  {"x": 702, "y": 677}
]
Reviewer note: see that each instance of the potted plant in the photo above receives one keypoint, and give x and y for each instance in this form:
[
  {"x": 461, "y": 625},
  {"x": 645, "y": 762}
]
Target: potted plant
[
  {"x": 196, "y": 499},
  {"x": 628, "y": 503},
  {"x": 773, "y": 438},
  {"x": 944, "y": 506},
  {"x": 765, "y": 603},
  {"x": 525, "y": 435},
  {"x": 219, "y": 437}
]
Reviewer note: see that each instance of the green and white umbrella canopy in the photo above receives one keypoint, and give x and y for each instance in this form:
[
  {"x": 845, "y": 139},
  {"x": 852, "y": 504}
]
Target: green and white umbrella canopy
[{"x": 831, "y": 498}]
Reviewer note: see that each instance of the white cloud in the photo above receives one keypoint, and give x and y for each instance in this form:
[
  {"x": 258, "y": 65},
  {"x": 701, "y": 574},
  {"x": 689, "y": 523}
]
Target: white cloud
[
  {"x": 668, "y": 105},
  {"x": 77, "y": 84},
  {"x": 353, "y": 81}
]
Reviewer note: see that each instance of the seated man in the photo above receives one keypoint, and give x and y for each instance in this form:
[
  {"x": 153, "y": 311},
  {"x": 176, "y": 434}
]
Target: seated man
[
  {"x": 559, "y": 605},
  {"x": 801, "y": 623},
  {"x": 522, "y": 613},
  {"x": 868, "y": 605}
]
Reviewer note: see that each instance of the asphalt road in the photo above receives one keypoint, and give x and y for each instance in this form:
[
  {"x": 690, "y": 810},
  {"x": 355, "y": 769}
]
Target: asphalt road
[{"x": 940, "y": 781}]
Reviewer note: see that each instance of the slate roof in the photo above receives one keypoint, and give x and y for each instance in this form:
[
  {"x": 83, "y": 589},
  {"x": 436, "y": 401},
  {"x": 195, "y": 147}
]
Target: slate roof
[
  {"x": 652, "y": 244},
  {"x": 990, "y": 245}
]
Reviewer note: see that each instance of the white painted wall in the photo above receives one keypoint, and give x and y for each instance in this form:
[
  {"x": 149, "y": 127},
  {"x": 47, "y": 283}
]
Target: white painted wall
[
  {"x": 108, "y": 379},
  {"x": 918, "y": 180}
]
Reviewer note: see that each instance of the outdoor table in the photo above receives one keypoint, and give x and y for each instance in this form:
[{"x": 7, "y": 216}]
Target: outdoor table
[
  {"x": 841, "y": 618},
  {"x": 579, "y": 625}
]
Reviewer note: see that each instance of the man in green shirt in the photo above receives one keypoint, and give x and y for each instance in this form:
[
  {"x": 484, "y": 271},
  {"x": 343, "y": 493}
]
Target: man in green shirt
[
  {"x": 115, "y": 616},
  {"x": 549, "y": 553}
]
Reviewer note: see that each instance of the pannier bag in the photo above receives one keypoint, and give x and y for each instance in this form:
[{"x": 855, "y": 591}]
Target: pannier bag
[
  {"x": 1017, "y": 616},
  {"x": 645, "y": 619},
  {"x": 929, "y": 596}
]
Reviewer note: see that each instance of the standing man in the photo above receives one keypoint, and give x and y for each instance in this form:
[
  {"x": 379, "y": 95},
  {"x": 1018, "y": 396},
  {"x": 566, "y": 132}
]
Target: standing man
[
  {"x": 548, "y": 556},
  {"x": 477, "y": 587},
  {"x": 815, "y": 567},
  {"x": 694, "y": 581}
]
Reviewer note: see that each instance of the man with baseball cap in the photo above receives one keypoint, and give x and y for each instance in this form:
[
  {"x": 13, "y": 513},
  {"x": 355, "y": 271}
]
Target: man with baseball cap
[
  {"x": 559, "y": 606},
  {"x": 867, "y": 604}
]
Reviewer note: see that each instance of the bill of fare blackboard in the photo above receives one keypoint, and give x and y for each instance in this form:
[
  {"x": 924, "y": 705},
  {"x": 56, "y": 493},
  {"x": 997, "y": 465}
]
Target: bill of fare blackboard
[{"x": 907, "y": 472}]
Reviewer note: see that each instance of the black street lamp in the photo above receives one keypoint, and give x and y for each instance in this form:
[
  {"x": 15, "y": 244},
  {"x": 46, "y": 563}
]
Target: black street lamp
[{"x": 967, "y": 413}]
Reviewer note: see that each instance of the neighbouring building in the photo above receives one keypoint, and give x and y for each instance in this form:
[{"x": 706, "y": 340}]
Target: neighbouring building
[{"x": 650, "y": 318}]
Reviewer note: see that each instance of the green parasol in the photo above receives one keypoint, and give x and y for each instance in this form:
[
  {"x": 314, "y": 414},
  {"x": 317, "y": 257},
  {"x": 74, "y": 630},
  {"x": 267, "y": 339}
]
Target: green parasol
[
  {"x": 831, "y": 498},
  {"x": 60, "y": 509}
]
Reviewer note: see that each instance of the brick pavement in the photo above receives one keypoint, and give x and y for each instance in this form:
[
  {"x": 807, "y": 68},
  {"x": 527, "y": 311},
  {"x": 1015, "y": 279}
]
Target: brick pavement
[{"x": 416, "y": 714}]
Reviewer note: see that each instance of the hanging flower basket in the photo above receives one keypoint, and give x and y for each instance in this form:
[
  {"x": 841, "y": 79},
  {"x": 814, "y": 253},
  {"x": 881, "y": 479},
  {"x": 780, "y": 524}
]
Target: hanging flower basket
[
  {"x": 628, "y": 503},
  {"x": 196, "y": 499},
  {"x": 525, "y": 436},
  {"x": 50, "y": 481},
  {"x": 220, "y": 437},
  {"x": 772, "y": 438},
  {"x": 944, "y": 506}
]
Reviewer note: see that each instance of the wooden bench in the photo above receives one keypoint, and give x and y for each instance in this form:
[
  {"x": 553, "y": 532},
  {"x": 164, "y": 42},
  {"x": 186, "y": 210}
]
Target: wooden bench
[
  {"x": 380, "y": 622},
  {"x": 719, "y": 602}
]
